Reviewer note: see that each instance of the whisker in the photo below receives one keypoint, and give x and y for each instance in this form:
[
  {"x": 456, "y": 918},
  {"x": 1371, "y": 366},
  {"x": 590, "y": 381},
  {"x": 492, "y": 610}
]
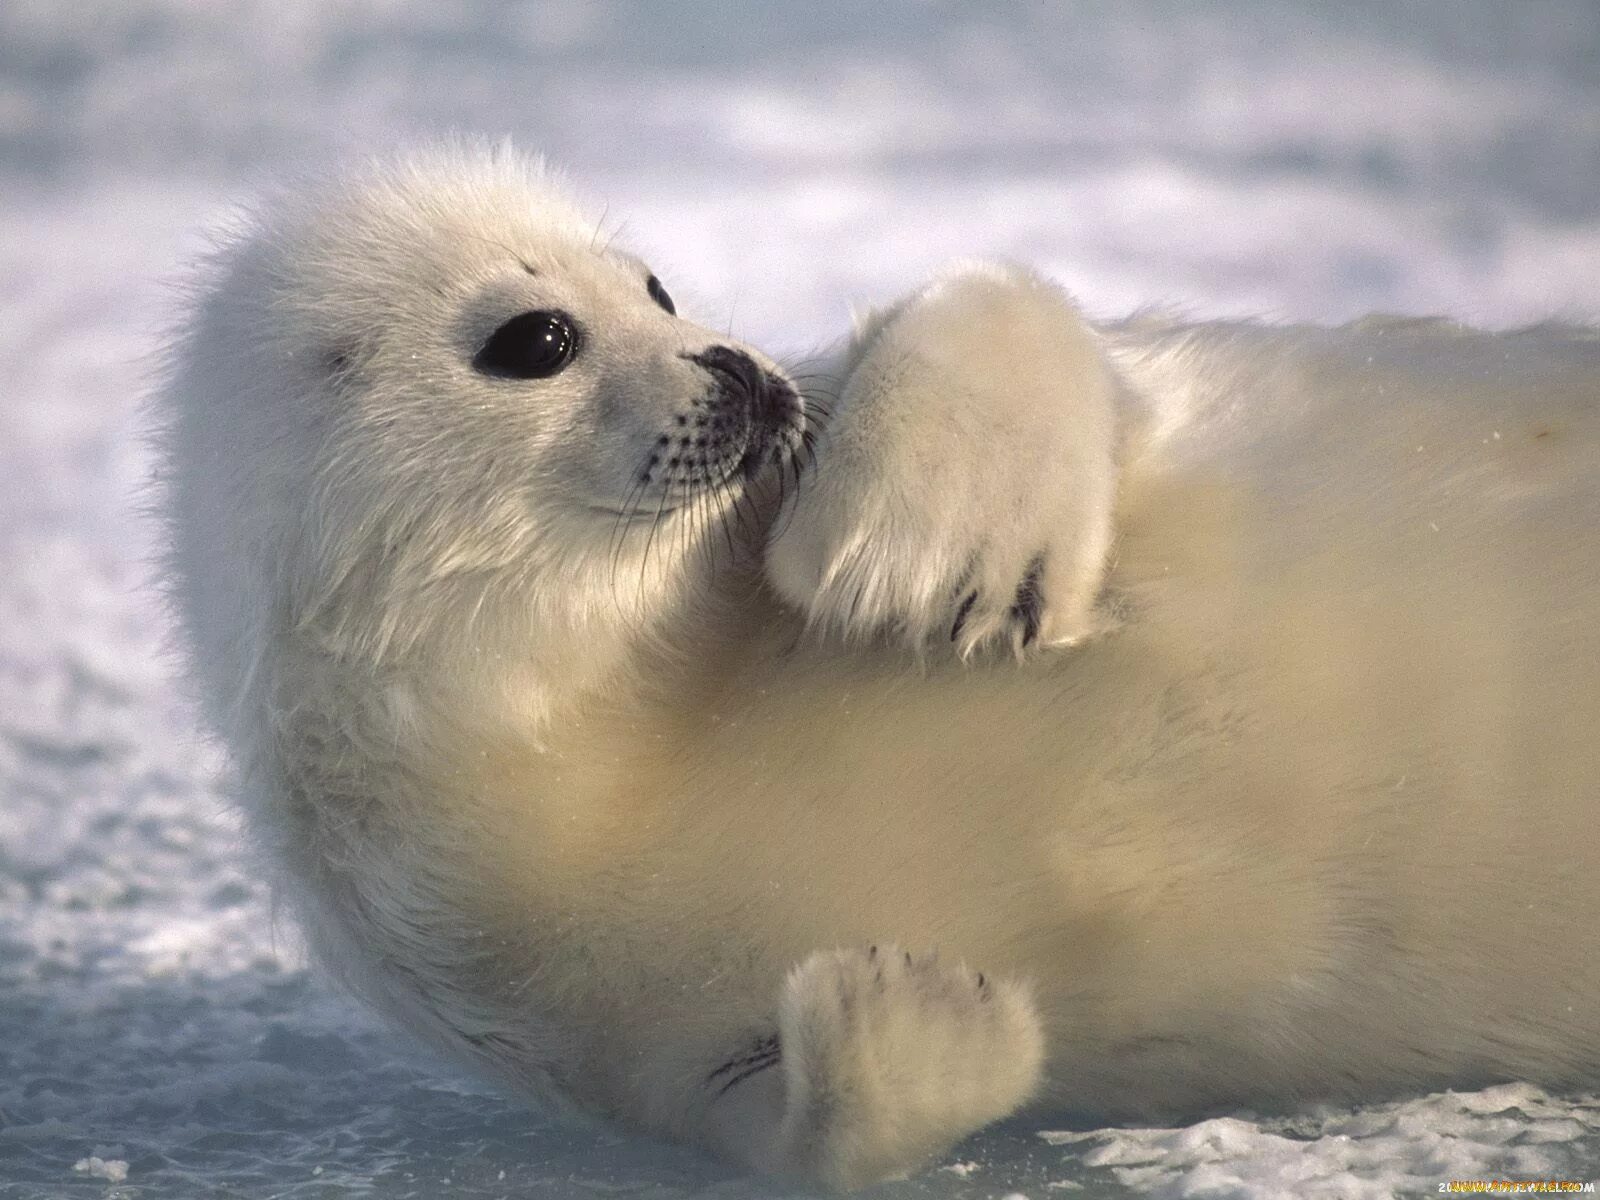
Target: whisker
[
  {"x": 716, "y": 512},
  {"x": 620, "y": 528},
  {"x": 725, "y": 527},
  {"x": 650, "y": 538},
  {"x": 729, "y": 485},
  {"x": 801, "y": 361},
  {"x": 614, "y": 236},
  {"x": 686, "y": 527},
  {"x": 702, "y": 525},
  {"x": 749, "y": 514},
  {"x": 522, "y": 262},
  {"x": 624, "y": 509},
  {"x": 776, "y": 536}
]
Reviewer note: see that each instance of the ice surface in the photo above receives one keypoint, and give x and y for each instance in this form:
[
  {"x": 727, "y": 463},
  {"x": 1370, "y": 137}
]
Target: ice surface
[{"x": 776, "y": 163}]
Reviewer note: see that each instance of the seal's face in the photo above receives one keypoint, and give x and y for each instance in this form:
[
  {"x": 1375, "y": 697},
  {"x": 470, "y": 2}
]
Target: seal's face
[
  {"x": 449, "y": 372},
  {"x": 656, "y": 413}
]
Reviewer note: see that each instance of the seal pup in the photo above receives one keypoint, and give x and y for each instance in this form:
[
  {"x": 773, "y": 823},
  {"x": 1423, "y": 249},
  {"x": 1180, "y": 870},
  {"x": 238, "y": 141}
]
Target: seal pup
[
  {"x": 466, "y": 529},
  {"x": 470, "y": 537}
]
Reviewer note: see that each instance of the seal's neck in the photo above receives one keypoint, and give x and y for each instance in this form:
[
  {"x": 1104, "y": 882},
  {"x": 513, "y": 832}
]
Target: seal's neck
[{"x": 512, "y": 650}]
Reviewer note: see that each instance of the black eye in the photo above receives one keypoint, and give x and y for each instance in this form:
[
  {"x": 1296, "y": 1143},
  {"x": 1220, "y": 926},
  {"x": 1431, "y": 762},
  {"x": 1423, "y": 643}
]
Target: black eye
[
  {"x": 659, "y": 295},
  {"x": 532, "y": 345}
]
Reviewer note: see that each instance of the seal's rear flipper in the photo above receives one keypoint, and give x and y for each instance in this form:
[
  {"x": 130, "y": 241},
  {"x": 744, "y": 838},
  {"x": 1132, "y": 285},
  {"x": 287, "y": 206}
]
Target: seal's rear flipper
[{"x": 882, "y": 1061}]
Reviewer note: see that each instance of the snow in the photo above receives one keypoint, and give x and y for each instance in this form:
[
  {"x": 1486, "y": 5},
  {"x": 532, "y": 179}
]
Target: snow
[
  {"x": 159, "y": 1035},
  {"x": 1512, "y": 1131},
  {"x": 115, "y": 1170}
]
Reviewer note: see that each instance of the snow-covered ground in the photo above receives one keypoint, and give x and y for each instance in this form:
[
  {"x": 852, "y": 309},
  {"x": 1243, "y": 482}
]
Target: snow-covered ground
[{"x": 158, "y": 1036}]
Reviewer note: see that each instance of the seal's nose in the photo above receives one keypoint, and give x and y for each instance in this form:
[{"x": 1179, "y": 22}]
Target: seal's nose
[
  {"x": 735, "y": 366},
  {"x": 769, "y": 399}
]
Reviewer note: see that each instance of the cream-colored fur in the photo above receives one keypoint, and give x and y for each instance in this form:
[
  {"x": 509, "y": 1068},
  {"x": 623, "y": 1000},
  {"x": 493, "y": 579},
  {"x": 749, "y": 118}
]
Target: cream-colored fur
[
  {"x": 979, "y": 453},
  {"x": 1309, "y": 810}
]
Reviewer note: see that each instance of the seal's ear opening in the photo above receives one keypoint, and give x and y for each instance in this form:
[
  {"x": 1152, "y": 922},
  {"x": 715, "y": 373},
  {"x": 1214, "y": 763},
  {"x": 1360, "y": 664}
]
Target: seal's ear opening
[{"x": 338, "y": 364}]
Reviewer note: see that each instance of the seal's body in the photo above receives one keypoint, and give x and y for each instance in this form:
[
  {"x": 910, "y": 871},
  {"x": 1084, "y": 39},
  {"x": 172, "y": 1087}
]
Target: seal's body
[{"x": 774, "y": 847}]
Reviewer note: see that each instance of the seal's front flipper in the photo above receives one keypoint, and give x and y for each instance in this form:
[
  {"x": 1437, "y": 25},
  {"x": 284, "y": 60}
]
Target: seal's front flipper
[{"x": 961, "y": 494}]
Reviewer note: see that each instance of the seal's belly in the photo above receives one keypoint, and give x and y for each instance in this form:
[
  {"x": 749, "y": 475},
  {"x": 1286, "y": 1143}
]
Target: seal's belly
[{"x": 1300, "y": 795}]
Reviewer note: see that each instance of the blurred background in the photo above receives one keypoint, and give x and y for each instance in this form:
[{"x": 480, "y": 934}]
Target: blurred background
[{"x": 775, "y": 163}]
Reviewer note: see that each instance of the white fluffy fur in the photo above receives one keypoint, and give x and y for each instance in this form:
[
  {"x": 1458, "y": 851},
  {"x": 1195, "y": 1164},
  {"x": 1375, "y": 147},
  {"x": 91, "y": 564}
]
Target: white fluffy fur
[
  {"x": 1313, "y": 812},
  {"x": 977, "y": 435}
]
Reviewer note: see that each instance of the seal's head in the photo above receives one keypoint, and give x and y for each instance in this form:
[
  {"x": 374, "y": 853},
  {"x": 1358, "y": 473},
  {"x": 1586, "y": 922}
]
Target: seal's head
[{"x": 430, "y": 393}]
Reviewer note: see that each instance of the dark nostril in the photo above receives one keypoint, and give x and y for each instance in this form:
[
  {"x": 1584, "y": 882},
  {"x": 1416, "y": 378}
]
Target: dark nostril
[
  {"x": 775, "y": 401},
  {"x": 767, "y": 395},
  {"x": 735, "y": 366}
]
